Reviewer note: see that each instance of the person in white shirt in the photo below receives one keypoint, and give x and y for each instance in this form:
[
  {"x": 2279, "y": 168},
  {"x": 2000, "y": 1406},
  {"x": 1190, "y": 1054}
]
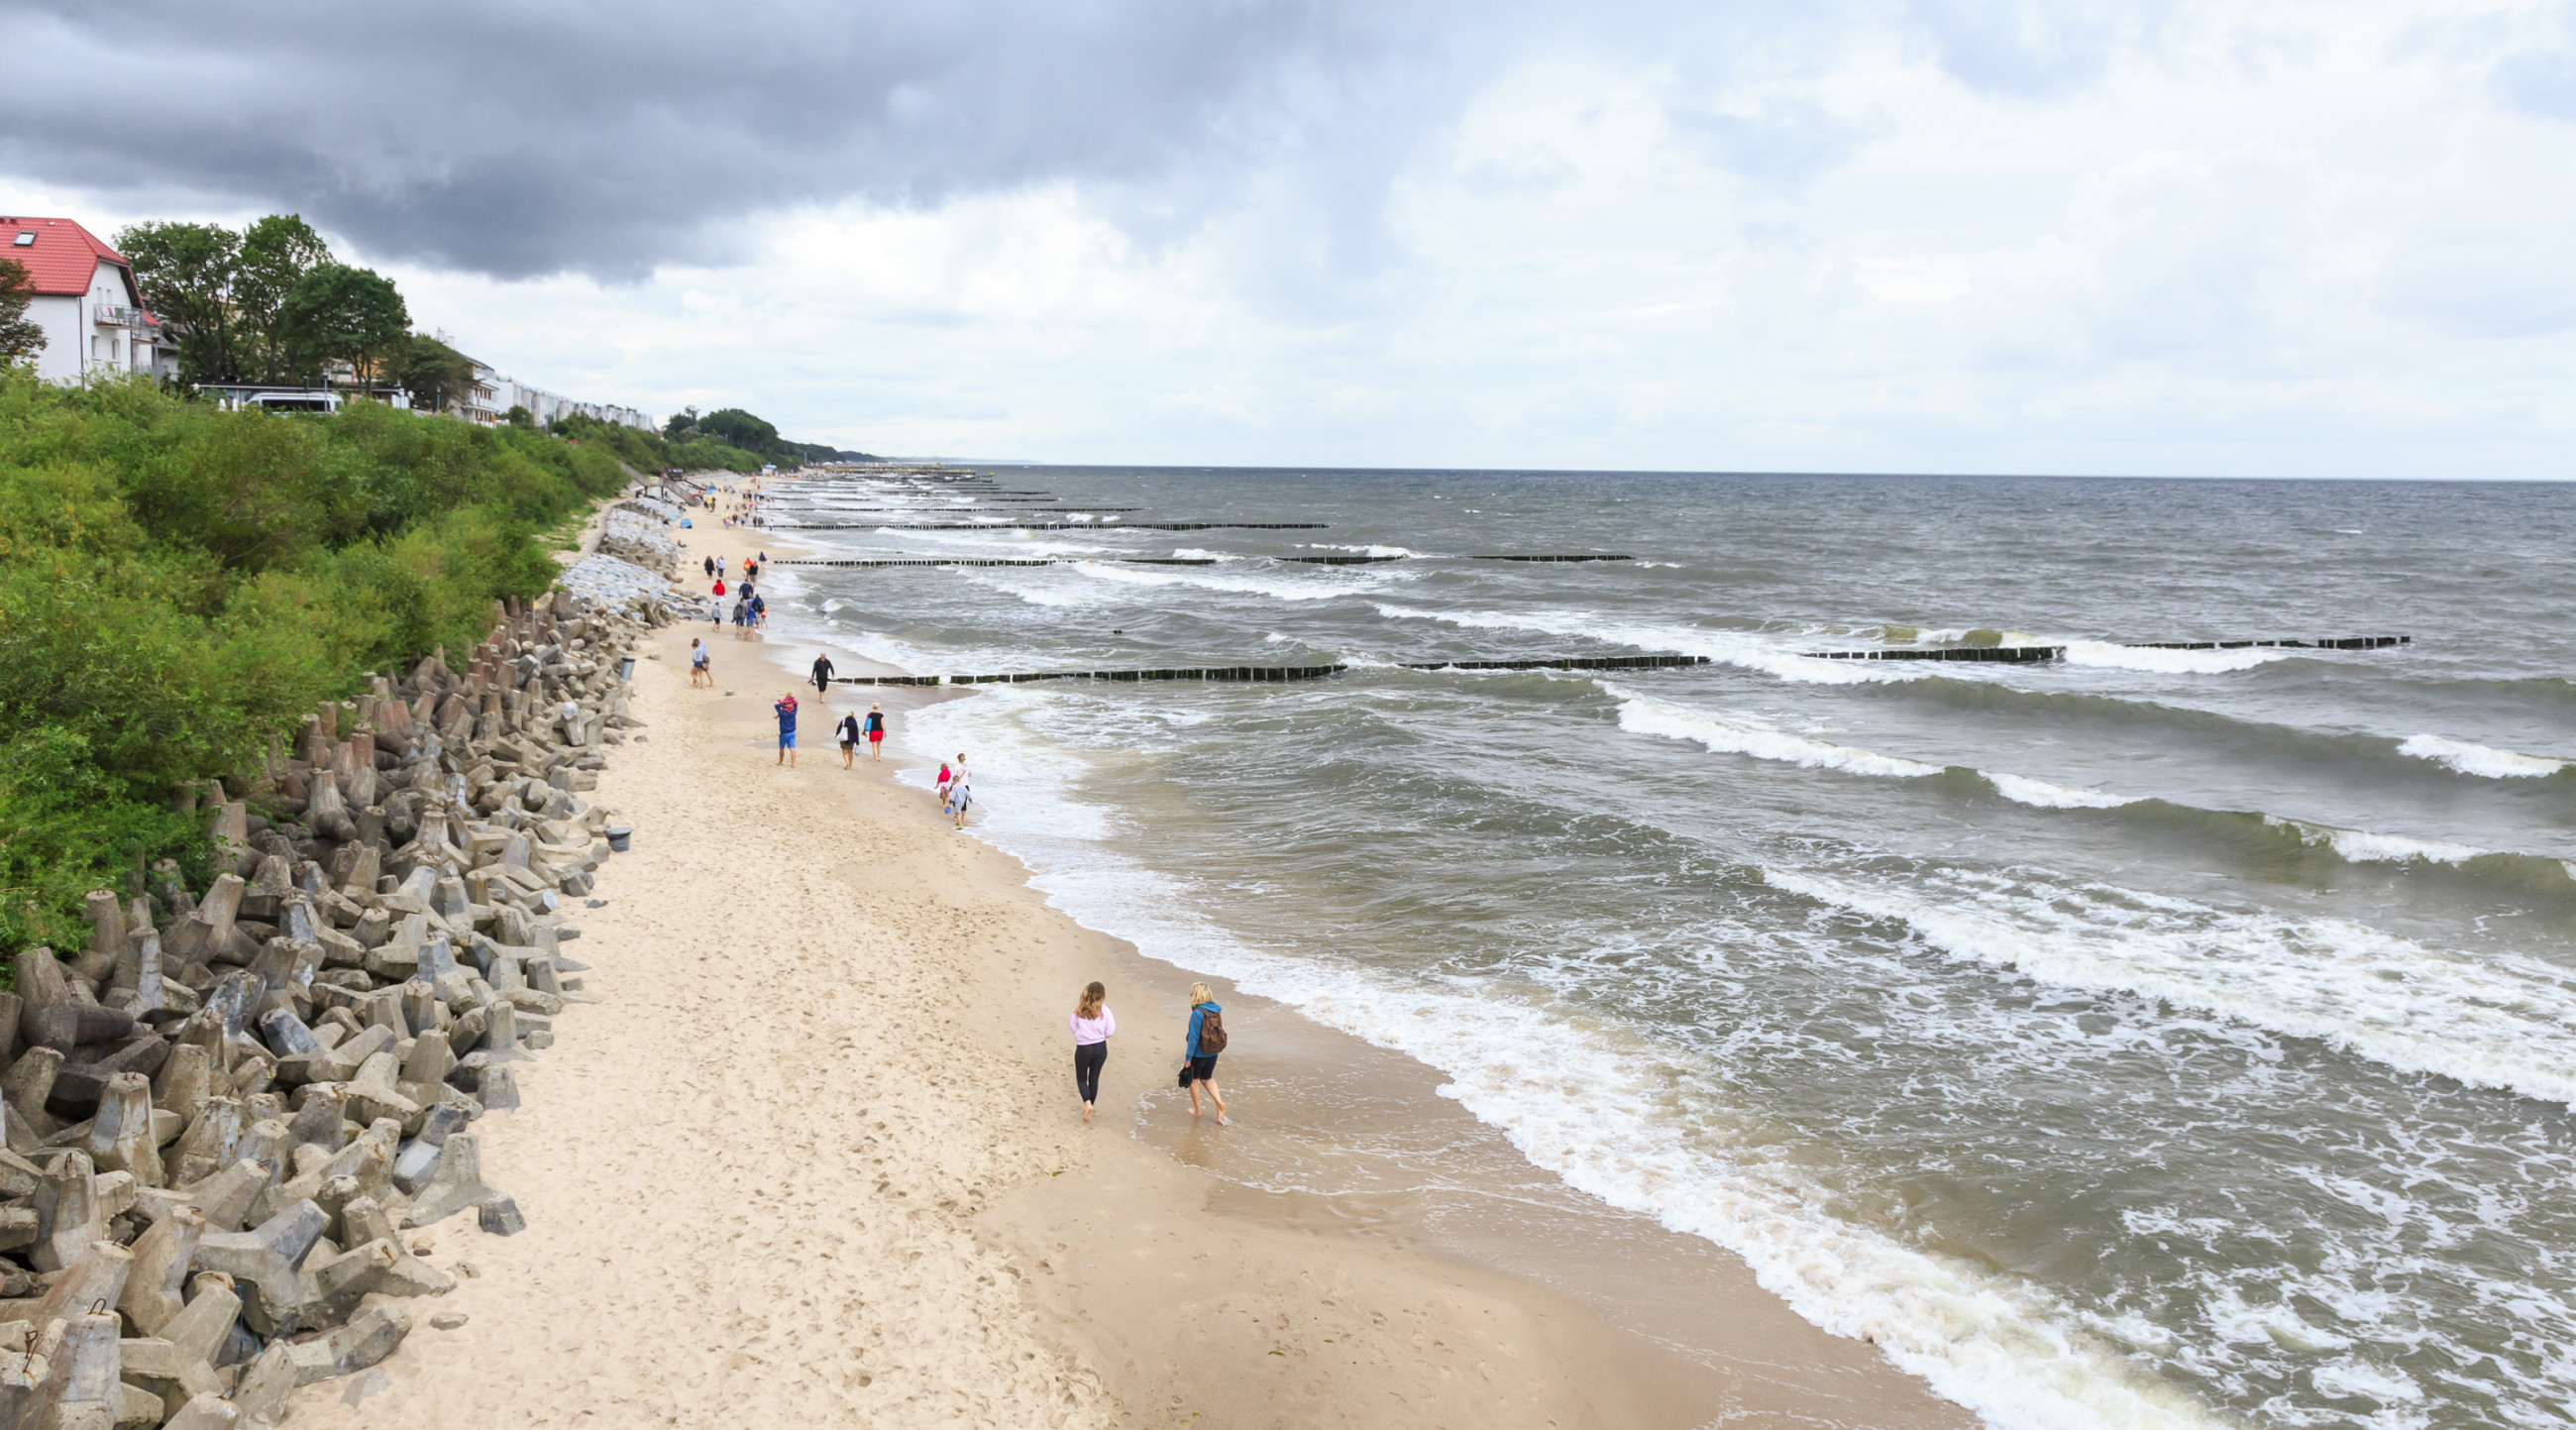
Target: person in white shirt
[{"x": 1093, "y": 1026}]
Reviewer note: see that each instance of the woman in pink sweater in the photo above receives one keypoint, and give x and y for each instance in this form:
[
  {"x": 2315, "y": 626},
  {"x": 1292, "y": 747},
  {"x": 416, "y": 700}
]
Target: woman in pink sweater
[{"x": 1093, "y": 1024}]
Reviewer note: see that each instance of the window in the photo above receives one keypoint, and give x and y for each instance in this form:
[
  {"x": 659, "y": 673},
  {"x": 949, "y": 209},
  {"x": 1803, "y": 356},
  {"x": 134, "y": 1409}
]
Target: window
[{"x": 26, "y": 238}]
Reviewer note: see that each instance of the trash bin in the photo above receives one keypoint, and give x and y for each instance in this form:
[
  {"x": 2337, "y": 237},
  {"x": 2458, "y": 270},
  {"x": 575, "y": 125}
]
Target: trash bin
[
  {"x": 626, "y": 668},
  {"x": 618, "y": 834}
]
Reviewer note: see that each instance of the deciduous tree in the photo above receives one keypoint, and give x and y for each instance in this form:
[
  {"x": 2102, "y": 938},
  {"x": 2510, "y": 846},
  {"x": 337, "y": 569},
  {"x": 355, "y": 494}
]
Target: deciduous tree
[
  {"x": 336, "y": 313},
  {"x": 276, "y": 252},
  {"x": 436, "y": 375},
  {"x": 20, "y": 336},
  {"x": 186, "y": 273}
]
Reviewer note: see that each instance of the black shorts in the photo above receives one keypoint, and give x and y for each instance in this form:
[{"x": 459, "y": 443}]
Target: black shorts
[{"x": 1203, "y": 1067}]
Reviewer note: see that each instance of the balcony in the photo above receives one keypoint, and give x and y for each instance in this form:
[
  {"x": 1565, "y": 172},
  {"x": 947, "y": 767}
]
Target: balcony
[{"x": 108, "y": 317}]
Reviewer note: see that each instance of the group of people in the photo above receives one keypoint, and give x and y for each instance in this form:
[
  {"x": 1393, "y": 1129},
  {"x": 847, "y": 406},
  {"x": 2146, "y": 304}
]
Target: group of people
[
  {"x": 750, "y": 609},
  {"x": 954, "y": 793},
  {"x": 1201, "y": 1042}
]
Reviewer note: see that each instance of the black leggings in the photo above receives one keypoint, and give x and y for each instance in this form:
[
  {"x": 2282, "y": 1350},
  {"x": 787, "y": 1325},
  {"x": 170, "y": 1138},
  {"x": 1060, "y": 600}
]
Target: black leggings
[{"x": 1087, "y": 1058}]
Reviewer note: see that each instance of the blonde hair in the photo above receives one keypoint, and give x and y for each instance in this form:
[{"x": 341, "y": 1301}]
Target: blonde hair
[
  {"x": 1199, "y": 994},
  {"x": 1092, "y": 996}
]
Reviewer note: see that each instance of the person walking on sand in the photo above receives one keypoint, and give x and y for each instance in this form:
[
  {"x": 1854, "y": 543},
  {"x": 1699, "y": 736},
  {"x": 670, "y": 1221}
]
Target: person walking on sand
[
  {"x": 876, "y": 732},
  {"x": 786, "y": 708},
  {"x": 1093, "y": 1026},
  {"x": 1206, "y": 1040},
  {"x": 698, "y": 672},
  {"x": 942, "y": 786},
  {"x": 848, "y": 730},
  {"x": 823, "y": 674}
]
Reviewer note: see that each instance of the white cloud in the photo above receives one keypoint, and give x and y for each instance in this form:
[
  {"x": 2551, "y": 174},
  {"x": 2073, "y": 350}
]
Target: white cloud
[{"x": 2296, "y": 239}]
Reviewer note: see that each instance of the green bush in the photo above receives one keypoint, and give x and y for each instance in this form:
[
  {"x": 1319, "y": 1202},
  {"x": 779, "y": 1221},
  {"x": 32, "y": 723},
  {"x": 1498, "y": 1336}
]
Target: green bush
[
  {"x": 67, "y": 827},
  {"x": 178, "y": 584}
]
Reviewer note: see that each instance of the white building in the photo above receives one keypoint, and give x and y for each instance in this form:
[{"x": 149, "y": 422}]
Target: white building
[
  {"x": 86, "y": 302},
  {"x": 495, "y": 395}
]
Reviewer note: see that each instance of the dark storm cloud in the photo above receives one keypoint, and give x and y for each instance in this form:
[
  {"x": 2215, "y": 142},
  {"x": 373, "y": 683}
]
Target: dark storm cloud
[{"x": 524, "y": 138}]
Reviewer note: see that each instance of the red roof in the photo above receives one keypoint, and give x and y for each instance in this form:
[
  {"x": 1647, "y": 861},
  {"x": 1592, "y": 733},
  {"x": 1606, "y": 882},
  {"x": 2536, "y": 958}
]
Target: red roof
[{"x": 64, "y": 257}]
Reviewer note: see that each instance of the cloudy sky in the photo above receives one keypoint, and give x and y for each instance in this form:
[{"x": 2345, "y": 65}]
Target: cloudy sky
[{"x": 1887, "y": 235}]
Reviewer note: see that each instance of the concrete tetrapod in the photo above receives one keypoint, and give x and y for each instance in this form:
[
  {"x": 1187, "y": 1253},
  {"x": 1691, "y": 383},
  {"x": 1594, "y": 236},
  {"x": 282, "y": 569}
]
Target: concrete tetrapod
[
  {"x": 333, "y": 1289},
  {"x": 83, "y": 1387},
  {"x": 261, "y": 1394},
  {"x": 68, "y": 1216},
  {"x": 49, "y": 1016},
  {"x": 185, "y": 1081},
  {"x": 372, "y": 1094},
  {"x": 156, "y": 1288},
  {"x": 263, "y": 1261},
  {"x": 121, "y": 1136},
  {"x": 208, "y": 1411},
  {"x": 225, "y": 1198},
  {"x": 211, "y": 1142},
  {"x": 455, "y": 1182},
  {"x": 82, "y": 1084},
  {"x": 369, "y": 1337},
  {"x": 98, "y": 1276},
  {"x": 178, "y": 1363},
  {"x": 28, "y": 1086}
]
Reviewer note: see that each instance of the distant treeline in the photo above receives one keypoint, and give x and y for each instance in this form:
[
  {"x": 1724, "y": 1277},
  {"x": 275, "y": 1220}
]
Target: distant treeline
[
  {"x": 180, "y": 583},
  {"x": 737, "y": 428}
]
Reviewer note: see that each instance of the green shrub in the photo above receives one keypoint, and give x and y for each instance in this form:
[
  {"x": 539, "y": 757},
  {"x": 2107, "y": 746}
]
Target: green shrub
[
  {"x": 178, "y": 584},
  {"x": 67, "y": 827}
]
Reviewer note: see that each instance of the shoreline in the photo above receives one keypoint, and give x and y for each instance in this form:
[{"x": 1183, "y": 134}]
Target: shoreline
[
  {"x": 1646, "y": 1286},
  {"x": 818, "y": 1158}
]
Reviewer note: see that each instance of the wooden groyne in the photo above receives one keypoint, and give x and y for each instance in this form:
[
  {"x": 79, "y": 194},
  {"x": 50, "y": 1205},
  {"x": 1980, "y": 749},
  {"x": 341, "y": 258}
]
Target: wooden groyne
[
  {"x": 2019, "y": 654},
  {"x": 1062, "y": 526},
  {"x": 2324, "y": 643},
  {"x": 2004, "y": 654},
  {"x": 1272, "y": 674}
]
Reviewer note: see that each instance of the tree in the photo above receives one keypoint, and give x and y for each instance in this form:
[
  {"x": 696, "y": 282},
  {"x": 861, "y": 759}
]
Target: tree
[
  {"x": 435, "y": 374},
  {"x": 276, "y": 252},
  {"x": 336, "y": 313},
  {"x": 737, "y": 428},
  {"x": 186, "y": 273},
  {"x": 520, "y": 416},
  {"x": 681, "y": 426},
  {"x": 20, "y": 337}
]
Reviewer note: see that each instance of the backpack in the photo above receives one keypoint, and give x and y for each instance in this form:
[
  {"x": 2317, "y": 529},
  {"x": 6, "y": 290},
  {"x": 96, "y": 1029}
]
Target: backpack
[{"x": 1211, "y": 1034}]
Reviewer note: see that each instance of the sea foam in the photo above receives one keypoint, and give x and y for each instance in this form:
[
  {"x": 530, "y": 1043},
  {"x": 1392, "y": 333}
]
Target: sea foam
[
  {"x": 2499, "y": 1021},
  {"x": 1726, "y": 647},
  {"x": 2170, "y": 662},
  {"x": 2480, "y": 760}
]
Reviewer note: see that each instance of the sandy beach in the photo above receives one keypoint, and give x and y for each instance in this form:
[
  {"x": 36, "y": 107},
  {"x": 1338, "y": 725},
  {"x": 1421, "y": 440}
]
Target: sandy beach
[{"x": 807, "y": 1153}]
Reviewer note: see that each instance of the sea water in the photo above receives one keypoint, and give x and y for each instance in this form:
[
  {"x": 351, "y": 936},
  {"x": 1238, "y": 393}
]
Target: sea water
[{"x": 2146, "y": 1037}]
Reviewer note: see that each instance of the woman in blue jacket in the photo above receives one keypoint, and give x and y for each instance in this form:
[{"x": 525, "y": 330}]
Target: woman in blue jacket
[{"x": 1206, "y": 1040}]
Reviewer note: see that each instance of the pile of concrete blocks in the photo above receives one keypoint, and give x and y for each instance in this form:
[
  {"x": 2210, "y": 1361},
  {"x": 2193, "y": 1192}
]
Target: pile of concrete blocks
[
  {"x": 636, "y": 532},
  {"x": 226, "y": 1117},
  {"x": 622, "y": 585}
]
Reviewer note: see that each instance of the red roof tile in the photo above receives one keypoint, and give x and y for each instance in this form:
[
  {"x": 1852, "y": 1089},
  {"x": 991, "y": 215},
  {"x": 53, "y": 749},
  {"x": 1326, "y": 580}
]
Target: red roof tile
[{"x": 64, "y": 256}]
